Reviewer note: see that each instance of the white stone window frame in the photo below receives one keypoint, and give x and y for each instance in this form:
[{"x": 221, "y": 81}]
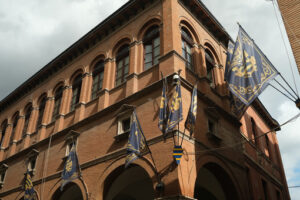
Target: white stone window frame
[
  {"x": 32, "y": 158},
  {"x": 70, "y": 140}
]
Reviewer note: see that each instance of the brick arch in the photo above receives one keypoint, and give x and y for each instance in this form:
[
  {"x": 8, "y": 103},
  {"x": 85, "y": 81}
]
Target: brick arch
[
  {"x": 58, "y": 85},
  {"x": 142, "y": 162},
  {"x": 41, "y": 97},
  {"x": 184, "y": 22},
  {"x": 204, "y": 160},
  {"x": 127, "y": 39},
  {"x": 208, "y": 45},
  {"x": 151, "y": 21},
  {"x": 55, "y": 189},
  {"x": 95, "y": 60},
  {"x": 75, "y": 74}
]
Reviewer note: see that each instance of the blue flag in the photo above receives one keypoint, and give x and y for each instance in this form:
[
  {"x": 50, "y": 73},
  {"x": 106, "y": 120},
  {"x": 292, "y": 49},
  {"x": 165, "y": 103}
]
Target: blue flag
[
  {"x": 136, "y": 141},
  {"x": 29, "y": 191},
  {"x": 71, "y": 168},
  {"x": 237, "y": 106},
  {"x": 191, "y": 118},
  {"x": 249, "y": 71},
  {"x": 163, "y": 108},
  {"x": 175, "y": 115}
]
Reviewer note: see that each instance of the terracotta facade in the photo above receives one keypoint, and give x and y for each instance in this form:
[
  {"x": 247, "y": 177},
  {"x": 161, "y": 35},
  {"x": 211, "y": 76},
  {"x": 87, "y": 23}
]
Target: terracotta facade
[{"x": 220, "y": 160}]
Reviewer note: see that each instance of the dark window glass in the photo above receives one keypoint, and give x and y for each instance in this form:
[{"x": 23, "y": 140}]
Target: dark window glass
[
  {"x": 122, "y": 64},
  {"x": 3, "y": 130},
  {"x": 209, "y": 60},
  {"x": 254, "y": 131},
  {"x": 278, "y": 196},
  {"x": 187, "y": 45},
  {"x": 76, "y": 89},
  {"x": 211, "y": 126},
  {"x": 57, "y": 102},
  {"x": 151, "y": 42},
  {"x": 41, "y": 111},
  {"x": 14, "y": 126},
  {"x": 265, "y": 189},
  {"x": 26, "y": 122},
  {"x": 126, "y": 124},
  {"x": 98, "y": 73}
]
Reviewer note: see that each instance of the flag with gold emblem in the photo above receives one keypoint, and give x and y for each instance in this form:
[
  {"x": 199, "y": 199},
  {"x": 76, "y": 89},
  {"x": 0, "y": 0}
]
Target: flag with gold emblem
[
  {"x": 163, "y": 108},
  {"x": 28, "y": 187},
  {"x": 191, "y": 118},
  {"x": 175, "y": 114},
  {"x": 249, "y": 71},
  {"x": 71, "y": 168},
  {"x": 136, "y": 141}
]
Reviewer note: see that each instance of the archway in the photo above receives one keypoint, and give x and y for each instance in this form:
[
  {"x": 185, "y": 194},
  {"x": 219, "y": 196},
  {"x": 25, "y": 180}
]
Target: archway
[
  {"x": 132, "y": 183},
  {"x": 71, "y": 191},
  {"x": 213, "y": 183}
]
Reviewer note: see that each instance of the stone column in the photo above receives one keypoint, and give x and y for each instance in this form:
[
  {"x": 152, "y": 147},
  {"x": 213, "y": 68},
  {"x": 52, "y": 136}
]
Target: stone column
[
  {"x": 13, "y": 145},
  {"x": 132, "y": 81},
  {"x": 84, "y": 92},
  {"x": 108, "y": 79},
  {"x": 46, "y": 116},
  {"x": 5, "y": 144},
  {"x": 64, "y": 107},
  {"x": 31, "y": 126}
]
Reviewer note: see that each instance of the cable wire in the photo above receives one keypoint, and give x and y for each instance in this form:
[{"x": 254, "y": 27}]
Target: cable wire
[
  {"x": 290, "y": 63},
  {"x": 246, "y": 139}
]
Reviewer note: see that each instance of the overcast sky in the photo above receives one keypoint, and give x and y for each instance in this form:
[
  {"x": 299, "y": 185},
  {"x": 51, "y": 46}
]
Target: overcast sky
[{"x": 33, "y": 32}]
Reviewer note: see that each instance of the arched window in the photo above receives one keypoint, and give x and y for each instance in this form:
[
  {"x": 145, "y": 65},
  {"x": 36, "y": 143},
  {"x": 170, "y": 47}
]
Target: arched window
[
  {"x": 76, "y": 89},
  {"x": 57, "y": 102},
  {"x": 3, "y": 130},
  {"x": 254, "y": 131},
  {"x": 187, "y": 45},
  {"x": 151, "y": 43},
  {"x": 42, "y": 105},
  {"x": 14, "y": 126},
  {"x": 98, "y": 73},
  {"x": 122, "y": 60},
  {"x": 210, "y": 63},
  {"x": 28, "y": 111}
]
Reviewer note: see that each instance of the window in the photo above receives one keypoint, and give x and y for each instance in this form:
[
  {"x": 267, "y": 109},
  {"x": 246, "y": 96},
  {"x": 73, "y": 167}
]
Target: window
[
  {"x": 98, "y": 73},
  {"x": 76, "y": 89},
  {"x": 14, "y": 126},
  {"x": 210, "y": 63},
  {"x": 122, "y": 62},
  {"x": 124, "y": 125},
  {"x": 27, "y": 117},
  {"x": 187, "y": 45},
  {"x": 265, "y": 189},
  {"x": 268, "y": 146},
  {"x": 3, "y": 130},
  {"x": 57, "y": 102},
  {"x": 31, "y": 165},
  {"x": 249, "y": 182},
  {"x": 41, "y": 111},
  {"x": 278, "y": 196},
  {"x": 254, "y": 131},
  {"x": 31, "y": 161},
  {"x": 69, "y": 146},
  {"x": 3, "y": 169},
  {"x": 151, "y": 42},
  {"x": 211, "y": 126}
]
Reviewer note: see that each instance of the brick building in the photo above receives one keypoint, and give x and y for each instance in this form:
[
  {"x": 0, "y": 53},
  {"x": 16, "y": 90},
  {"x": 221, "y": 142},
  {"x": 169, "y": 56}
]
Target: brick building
[
  {"x": 85, "y": 97},
  {"x": 290, "y": 13}
]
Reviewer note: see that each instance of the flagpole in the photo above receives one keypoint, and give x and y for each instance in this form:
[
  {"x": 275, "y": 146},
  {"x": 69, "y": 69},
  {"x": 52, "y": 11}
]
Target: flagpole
[{"x": 156, "y": 171}]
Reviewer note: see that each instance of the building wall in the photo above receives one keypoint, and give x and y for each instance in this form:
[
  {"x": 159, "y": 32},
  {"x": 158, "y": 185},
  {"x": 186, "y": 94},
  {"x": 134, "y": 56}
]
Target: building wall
[
  {"x": 94, "y": 123},
  {"x": 289, "y": 10}
]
